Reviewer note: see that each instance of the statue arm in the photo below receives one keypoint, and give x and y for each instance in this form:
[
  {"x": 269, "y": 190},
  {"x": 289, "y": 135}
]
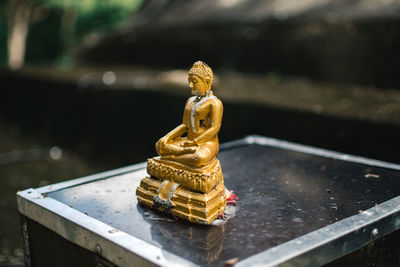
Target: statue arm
[
  {"x": 178, "y": 131},
  {"x": 216, "y": 120}
]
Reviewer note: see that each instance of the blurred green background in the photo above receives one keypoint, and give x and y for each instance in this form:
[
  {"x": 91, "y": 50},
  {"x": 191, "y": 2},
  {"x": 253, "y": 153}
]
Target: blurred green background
[{"x": 55, "y": 28}]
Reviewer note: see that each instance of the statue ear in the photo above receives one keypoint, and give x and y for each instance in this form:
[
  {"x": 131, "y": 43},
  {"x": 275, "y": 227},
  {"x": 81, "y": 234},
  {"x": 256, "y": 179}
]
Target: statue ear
[{"x": 208, "y": 81}]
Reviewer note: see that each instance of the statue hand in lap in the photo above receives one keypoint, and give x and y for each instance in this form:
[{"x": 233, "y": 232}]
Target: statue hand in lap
[{"x": 201, "y": 123}]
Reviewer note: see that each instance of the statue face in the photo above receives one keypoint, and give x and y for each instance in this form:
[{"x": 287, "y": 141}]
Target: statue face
[{"x": 198, "y": 86}]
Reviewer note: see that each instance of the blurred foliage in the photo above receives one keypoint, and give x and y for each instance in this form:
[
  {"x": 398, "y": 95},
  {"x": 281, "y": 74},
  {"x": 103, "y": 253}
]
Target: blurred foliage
[
  {"x": 57, "y": 27},
  {"x": 44, "y": 42},
  {"x": 95, "y": 15},
  {"x": 88, "y": 6},
  {"x": 3, "y": 40},
  {"x": 3, "y": 30}
]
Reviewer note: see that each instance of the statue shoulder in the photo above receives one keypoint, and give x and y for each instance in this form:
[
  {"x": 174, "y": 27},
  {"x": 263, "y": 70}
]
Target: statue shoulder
[
  {"x": 190, "y": 100},
  {"x": 215, "y": 100}
]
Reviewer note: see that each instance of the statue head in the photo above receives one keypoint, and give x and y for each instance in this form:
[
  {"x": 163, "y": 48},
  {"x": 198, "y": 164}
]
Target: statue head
[{"x": 200, "y": 78}]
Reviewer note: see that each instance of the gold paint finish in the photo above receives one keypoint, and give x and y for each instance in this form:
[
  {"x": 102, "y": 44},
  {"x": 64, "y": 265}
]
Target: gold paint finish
[
  {"x": 203, "y": 179},
  {"x": 186, "y": 179},
  {"x": 192, "y": 206}
]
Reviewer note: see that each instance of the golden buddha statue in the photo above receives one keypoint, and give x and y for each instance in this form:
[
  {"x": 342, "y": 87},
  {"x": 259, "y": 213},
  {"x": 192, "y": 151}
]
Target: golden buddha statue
[{"x": 186, "y": 179}]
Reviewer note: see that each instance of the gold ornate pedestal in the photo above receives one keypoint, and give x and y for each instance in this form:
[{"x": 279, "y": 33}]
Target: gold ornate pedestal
[
  {"x": 201, "y": 179},
  {"x": 197, "y": 195}
]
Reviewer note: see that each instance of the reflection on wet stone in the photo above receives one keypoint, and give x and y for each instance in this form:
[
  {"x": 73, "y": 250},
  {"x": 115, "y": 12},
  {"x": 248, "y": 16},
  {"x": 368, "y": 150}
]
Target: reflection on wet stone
[{"x": 202, "y": 246}]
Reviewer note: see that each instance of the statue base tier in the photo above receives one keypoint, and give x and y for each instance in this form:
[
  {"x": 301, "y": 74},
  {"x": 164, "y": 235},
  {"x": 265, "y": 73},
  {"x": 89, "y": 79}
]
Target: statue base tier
[
  {"x": 202, "y": 179},
  {"x": 196, "y": 194},
  {"x": 171, "y": 197}
]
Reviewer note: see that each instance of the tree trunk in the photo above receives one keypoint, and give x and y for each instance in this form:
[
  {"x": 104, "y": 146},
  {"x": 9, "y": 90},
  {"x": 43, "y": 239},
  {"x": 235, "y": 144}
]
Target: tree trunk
[{"x": 18, "y": 33}]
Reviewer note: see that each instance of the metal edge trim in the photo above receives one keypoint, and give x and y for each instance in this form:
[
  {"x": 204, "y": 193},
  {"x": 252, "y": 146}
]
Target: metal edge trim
[
  {"x": 370, "y": 225},
  {"x": 90, "y": 178},
  {"x": 122, "y": 248},
  {"x": 266, "y": 141},
  {"x": 233, "y": 144}
]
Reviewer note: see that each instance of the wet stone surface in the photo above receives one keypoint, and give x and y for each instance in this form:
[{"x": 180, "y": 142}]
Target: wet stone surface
[{"x": 282, "y": 195}]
